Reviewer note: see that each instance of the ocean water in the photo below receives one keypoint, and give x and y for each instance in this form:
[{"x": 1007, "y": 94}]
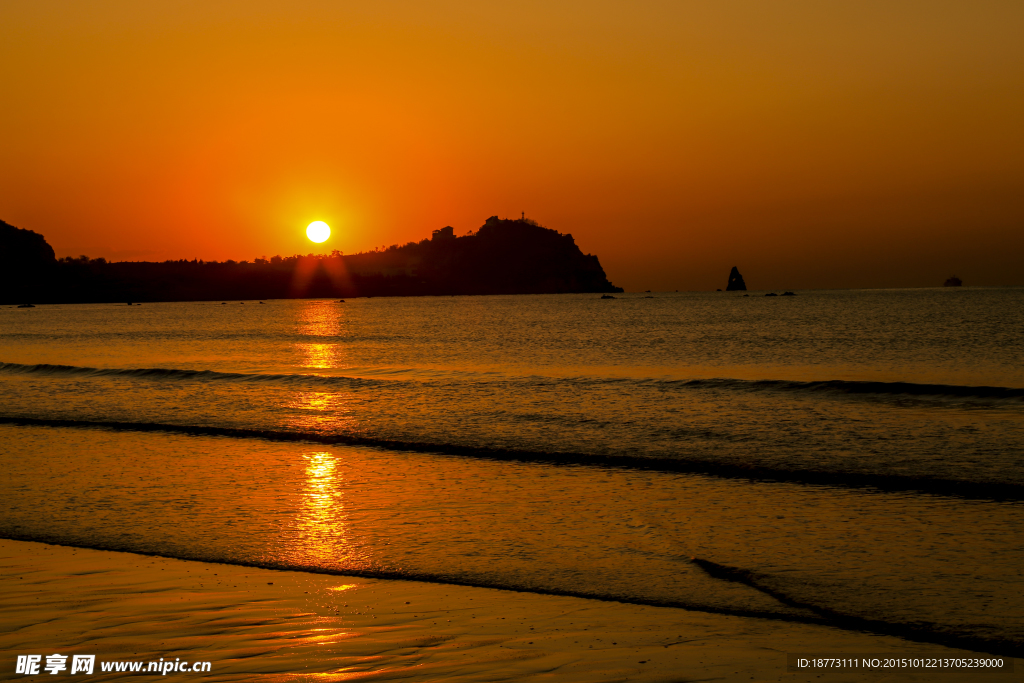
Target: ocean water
[{"x": 843, "y": 457}]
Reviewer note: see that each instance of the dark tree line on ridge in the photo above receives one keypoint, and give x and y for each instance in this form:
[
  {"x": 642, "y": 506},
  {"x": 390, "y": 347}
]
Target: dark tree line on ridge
[{"x": 502, "y": 257}]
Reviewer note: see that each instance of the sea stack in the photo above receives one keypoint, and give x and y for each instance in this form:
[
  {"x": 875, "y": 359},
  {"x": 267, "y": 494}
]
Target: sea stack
[{"x": 736, "y": 283}]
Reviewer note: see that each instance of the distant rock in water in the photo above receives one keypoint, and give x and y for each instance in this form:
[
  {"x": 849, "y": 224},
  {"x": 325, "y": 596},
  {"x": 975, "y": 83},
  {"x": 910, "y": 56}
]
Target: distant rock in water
[
  {"x": 953, "y": 281},
  {"x": 736, "y": 283}
]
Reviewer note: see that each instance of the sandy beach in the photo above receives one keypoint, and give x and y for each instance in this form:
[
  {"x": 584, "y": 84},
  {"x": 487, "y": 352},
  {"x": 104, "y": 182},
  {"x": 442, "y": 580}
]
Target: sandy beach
[{"x": 279, "y": 625}]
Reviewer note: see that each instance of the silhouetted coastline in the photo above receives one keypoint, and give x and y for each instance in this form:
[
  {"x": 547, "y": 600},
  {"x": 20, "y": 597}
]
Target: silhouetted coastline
[{"x": 502, "y": 257}]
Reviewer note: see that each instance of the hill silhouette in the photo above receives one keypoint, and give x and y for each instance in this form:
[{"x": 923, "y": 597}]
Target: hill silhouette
[
  {"x": 502, "y": 257},
  {"x": 27, "y": 263}
]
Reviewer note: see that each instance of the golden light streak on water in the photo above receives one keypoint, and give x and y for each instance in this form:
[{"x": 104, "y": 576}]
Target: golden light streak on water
[
  {"x": 319, "y": 411},
  {"x": 319, "y": 356},
  {"x": 320, "y": 532},
  {"x": 321, "y": 319}
]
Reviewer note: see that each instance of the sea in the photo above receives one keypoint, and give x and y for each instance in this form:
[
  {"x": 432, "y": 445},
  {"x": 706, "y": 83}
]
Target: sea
[{"x": 845, "y": 457}]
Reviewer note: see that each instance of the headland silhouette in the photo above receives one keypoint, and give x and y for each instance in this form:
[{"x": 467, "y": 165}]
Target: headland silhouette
[{"x": 502, "y": 257}]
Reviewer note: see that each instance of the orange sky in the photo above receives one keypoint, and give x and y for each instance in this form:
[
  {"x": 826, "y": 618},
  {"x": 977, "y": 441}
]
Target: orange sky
[{"x": 812, "y": 144}]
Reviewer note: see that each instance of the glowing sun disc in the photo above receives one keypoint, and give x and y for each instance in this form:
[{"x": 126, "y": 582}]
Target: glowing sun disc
[{"x": 318, "y": 231}]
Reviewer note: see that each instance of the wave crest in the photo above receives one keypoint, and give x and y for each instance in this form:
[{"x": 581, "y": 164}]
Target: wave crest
[
  {"x": 171, "y": 374},
  {"x": 864, "y": 388},
  {"x": 751, "y": 472}
]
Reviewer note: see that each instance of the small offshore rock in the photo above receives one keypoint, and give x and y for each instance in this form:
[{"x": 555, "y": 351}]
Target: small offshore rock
[{"x": 736, "y": 283}]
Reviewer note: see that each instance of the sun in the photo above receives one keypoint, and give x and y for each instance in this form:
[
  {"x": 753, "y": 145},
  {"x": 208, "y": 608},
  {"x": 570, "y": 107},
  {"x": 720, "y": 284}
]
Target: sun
[{"x": 318, "y": 231}]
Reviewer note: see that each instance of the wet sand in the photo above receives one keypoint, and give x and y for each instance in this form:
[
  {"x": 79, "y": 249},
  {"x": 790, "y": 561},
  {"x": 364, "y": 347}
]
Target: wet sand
[{"x": 279, "y": 625}]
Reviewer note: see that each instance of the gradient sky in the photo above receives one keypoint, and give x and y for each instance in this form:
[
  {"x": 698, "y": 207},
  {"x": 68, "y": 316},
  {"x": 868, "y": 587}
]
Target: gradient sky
[{"x": 812, "y": 144}]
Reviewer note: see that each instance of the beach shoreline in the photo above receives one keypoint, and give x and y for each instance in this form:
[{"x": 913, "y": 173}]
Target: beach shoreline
[{"x": 288, "y": 625}]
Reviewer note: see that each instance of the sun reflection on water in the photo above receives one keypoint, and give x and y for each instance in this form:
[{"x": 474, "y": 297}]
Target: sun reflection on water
[
  {"x": 322, "y": 321},
  {"x": 319, "y": 356},
  {"x": 320, "y": 534},
  {"x": 320, "y": 412}
]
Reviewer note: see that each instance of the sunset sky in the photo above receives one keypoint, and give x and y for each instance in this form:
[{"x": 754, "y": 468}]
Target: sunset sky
[{"x": 812, "y": 144}]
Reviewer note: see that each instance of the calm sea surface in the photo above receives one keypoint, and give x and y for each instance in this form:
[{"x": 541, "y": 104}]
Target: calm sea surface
[{"x": 848, "y": 457}]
